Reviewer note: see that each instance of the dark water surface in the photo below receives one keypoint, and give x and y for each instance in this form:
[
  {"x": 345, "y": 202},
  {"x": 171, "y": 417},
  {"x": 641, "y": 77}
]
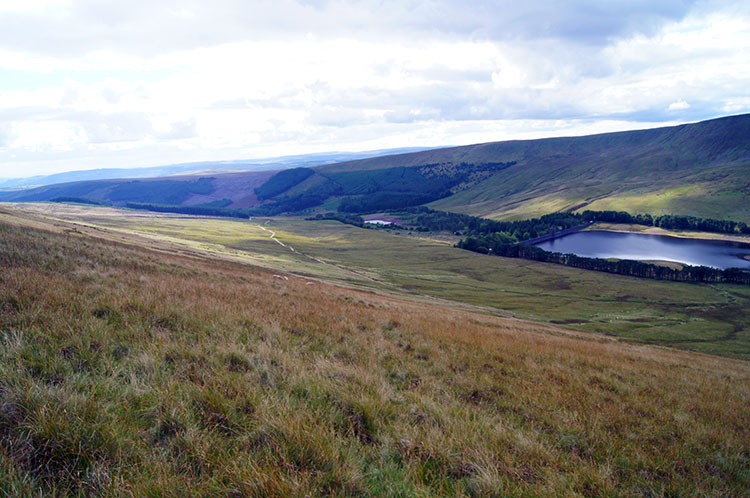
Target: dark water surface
[{"x": 638, "y": 246}]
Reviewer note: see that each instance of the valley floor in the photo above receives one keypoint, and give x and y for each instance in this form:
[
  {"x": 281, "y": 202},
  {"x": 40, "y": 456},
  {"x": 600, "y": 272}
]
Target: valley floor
[{"x": 711, "y": 318}]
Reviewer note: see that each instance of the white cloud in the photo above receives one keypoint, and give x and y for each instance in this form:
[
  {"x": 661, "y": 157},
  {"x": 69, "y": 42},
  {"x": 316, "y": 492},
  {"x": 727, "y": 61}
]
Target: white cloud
[
  {"x": 31, "y": 6},
  {"x": 172, "y": 81},
  {"x": 46, "y": 135},
  {"x": 678, "y": 105}
]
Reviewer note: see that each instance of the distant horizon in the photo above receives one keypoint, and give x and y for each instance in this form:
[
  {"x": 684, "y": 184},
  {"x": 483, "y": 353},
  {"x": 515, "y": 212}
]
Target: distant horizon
[
  {"x": 259, "y": 161},
  {"x": 582, "y": 128}
]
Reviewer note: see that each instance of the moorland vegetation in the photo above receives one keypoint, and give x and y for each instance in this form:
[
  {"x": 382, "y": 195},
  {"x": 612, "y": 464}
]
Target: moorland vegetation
[
  {"x": 707, "y": 317},
  {"x": 130, "y": 371}
]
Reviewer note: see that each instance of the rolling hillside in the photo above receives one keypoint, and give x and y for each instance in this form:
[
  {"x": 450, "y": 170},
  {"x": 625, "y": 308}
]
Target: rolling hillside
[
  {"x": 130, "y": 368},
  {"x": 212, "y": 183},
  {"x": 700, "y": 169},
  {"x": 696, "y": 169},
  {"x": 234, "y": 190},
  {"x": 709, "y": 318}
]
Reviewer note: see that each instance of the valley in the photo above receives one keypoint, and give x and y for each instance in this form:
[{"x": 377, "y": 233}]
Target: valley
[
  {"x": 354, "y": 249},
  {"x": 249, "y": 334},
  {"x": 159, "y": 354},
  {"x": 711, "y": 318}
]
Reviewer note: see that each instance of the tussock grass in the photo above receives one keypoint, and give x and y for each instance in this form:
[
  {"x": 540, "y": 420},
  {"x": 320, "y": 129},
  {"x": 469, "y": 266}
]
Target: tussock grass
[{"x": 129, "y": 372}]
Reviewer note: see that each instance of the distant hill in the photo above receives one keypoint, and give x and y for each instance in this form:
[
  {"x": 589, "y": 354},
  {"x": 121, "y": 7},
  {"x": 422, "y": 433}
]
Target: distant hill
[
  {"x": 700, "y": 169},
  {"x": 694, "y": 169},
  {"x": 205, "y": 167},
  {"x": 199, "y": 183},
  {"x": 234, "y": 190}
]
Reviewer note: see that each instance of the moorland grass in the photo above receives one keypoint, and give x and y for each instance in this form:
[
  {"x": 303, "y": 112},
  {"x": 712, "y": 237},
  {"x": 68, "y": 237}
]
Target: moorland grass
[
  {"x": 702, "y": 317},
  {"x": 126, "y": 371}
]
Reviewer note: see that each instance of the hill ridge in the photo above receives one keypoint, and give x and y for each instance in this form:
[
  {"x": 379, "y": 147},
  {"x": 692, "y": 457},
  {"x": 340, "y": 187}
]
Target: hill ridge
[{"x": 700, "y": 169}]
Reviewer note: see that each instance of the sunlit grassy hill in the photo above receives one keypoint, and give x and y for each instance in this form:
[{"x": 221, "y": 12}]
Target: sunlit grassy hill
[
  {"x": 696, "y": 169},
  {"x": 700, "y": 169},
  {"x": 131, "y": 371}
]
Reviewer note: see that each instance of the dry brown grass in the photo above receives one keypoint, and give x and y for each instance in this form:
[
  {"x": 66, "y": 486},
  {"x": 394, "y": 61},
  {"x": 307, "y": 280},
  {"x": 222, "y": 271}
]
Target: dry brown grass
[{"x": 129, "y": 372}]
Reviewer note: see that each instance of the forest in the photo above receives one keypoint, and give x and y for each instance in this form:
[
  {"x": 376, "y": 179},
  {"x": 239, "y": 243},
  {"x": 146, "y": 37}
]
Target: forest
[
  {"x": 191, "y": 210},
  {"x": 370, "y": 190}
]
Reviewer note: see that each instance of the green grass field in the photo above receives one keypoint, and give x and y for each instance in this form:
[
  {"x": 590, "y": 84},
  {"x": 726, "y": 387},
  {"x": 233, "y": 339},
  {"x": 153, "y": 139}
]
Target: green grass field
[
  {"x": 134, "y": 366},
  {"x": 535, "y": 191},
  {"x": 700, "y": 317}
]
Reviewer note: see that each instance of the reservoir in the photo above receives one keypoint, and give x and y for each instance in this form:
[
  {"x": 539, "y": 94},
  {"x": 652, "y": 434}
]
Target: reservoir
[{"x": 645, "y": 247}]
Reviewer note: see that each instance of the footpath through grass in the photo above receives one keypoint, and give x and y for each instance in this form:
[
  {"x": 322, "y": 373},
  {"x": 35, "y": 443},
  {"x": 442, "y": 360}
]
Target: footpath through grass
[{"x": 131, "y": 372}]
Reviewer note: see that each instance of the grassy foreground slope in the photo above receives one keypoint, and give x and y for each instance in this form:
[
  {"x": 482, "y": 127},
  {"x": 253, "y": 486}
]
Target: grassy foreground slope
[{"x": 130, "y": 372}]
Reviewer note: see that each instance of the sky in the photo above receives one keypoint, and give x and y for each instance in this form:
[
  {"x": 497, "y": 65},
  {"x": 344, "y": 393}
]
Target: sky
[{"x": 98, "y": 83}]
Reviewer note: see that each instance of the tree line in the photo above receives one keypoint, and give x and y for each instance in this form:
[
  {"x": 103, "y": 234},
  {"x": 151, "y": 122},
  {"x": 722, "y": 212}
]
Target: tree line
[
  {"x": 497, "y": 245},
  {"x": 349, "y": 219},
  {"x": 426, "y": 219},
  {"x": 670, "y": 221},
  {"x": 80, "y": 200},
  {"x": 191, "y": 210}
]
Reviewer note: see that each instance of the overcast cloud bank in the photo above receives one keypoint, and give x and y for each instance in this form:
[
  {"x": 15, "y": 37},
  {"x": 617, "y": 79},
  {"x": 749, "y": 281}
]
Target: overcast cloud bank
[{"x": 90, "y": 84}]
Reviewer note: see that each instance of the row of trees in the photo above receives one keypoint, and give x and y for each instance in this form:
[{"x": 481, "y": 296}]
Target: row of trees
[
  {"x": 381, "y": 201},
  {"x": 80, "y": 200},
  {"x": 669, "y": 221},
  {"x": 191, "y": 210},
  {"x": 430, "y": 220},
  {"x": 497, "y": 245},
  {"x": 349, "y": 219},
  {"x": 427, "y": 219}
]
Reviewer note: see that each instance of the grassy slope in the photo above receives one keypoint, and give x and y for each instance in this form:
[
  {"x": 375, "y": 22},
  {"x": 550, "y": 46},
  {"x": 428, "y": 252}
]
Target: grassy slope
[
  {"x": 701, "y": 169},
  {"x": 707, "y": 318},
  {"x": 131, "y": 372}
]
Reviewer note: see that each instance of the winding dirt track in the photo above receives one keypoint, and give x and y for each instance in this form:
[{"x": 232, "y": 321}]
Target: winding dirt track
[
  {"x": 318, "y": 260},
  {"x": 273, "y": 237}
]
